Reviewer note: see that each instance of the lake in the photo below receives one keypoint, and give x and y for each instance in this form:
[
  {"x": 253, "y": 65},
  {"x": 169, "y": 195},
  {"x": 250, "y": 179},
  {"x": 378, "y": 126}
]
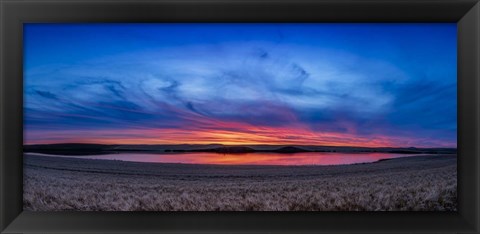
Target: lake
[{"x": 307, "y": 158}]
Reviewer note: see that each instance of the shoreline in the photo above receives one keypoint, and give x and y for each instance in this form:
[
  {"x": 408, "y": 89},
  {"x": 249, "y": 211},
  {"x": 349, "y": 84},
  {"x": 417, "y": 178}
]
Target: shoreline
[{"x": 92, "y": 149}]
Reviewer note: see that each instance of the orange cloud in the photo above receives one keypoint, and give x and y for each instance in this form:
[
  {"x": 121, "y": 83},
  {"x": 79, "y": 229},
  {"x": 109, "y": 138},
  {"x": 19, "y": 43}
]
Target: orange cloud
[{"x": 217, "y": 132}]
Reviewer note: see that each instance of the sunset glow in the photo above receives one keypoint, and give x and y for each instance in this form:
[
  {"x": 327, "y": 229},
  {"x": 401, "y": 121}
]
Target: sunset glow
[
  {"x": 242, "y": 84},
  {"x": 241, "y": 136}
]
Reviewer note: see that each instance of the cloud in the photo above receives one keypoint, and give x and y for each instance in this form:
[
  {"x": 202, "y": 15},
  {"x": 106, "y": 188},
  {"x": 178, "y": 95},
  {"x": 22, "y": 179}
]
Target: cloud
[{"x": 254, "y": 83}]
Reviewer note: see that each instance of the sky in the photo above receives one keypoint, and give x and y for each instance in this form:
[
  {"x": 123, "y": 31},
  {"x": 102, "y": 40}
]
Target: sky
[{"x": 338, "y": 84}]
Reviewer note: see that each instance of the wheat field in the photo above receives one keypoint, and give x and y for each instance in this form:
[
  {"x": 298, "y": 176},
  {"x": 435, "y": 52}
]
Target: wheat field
[{"x": 422, "y": 183}]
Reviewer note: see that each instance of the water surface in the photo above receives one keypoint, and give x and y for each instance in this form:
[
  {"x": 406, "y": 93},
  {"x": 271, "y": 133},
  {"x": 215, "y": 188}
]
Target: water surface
[{"x": 308, "y": 158}]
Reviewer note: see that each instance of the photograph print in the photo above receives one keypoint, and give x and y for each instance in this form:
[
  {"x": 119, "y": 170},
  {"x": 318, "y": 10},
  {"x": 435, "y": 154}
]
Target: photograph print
[{"x": 240, "y": 117}]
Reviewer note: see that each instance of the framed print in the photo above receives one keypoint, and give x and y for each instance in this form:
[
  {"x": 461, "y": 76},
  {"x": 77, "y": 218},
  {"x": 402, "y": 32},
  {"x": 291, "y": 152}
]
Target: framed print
[
  {"x": 228, "y": 116},
  {"x": 247, "y": 117}
]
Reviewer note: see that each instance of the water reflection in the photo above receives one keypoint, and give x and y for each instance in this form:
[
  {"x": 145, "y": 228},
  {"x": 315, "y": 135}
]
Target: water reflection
[{"x": 310, "y": 158}]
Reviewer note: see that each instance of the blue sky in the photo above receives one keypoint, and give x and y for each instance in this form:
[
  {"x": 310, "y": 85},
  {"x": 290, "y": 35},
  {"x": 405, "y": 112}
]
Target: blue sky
[{"x": 340, "y": 84}]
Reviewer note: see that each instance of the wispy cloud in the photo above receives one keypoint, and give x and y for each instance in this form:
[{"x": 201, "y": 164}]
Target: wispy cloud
[{"x": 262, "y": 91}]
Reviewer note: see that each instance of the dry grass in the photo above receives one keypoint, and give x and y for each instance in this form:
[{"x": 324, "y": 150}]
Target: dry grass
[{"x": 415, "y": 183}]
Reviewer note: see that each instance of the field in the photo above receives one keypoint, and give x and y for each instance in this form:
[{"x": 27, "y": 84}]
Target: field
[{"x": 411, "y": 183}]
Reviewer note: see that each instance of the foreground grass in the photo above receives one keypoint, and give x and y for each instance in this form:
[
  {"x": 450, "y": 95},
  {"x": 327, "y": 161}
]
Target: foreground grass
[{"x": 413, "y": 183}]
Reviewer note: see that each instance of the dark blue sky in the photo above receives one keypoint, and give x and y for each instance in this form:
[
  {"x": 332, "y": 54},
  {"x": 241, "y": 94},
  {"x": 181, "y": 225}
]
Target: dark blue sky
[{"x": 340, "y": 84}]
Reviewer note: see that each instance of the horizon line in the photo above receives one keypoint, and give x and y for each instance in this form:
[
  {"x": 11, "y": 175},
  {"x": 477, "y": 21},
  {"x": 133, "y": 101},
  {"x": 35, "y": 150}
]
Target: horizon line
[{"x": 345, "y": 146}]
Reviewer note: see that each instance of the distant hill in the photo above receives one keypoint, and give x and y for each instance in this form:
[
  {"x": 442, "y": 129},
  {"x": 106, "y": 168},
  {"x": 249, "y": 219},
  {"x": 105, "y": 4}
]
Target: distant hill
[
  {"x": 291, "y": 149},
  {"x": 69, "y": 149},
  {"x": 91, "y": 149},
  {"x": 230, "y": 149}
]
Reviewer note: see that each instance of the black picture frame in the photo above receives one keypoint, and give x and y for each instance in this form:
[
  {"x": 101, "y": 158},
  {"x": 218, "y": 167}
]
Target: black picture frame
[{"x": 466, "y": 13}]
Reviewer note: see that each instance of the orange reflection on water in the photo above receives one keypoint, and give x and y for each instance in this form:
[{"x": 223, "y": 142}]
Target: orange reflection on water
[{"x": 308, "y": 158}]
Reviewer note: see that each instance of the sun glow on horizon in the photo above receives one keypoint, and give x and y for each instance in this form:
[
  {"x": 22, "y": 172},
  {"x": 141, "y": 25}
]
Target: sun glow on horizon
[
  {"x": 328, "y": 84},
  {"x": 261, "y": 137}
]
